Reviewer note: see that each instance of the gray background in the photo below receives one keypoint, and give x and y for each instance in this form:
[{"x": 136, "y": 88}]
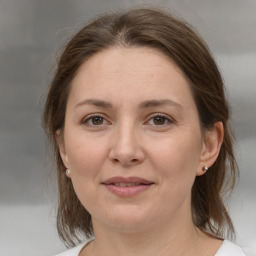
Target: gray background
[{"x": 31, "y": 32}]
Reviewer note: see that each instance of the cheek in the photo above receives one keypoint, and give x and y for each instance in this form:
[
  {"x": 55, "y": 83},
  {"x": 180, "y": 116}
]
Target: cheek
[
  {"x": 176, "y": 160},
  {"x": 177, "y": 151},
  {"x": 86, "y": 157},
  {"x": 86, "y": 154}
]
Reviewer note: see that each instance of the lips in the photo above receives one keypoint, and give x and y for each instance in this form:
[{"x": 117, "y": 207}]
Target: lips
[
  {"x": 126, "y": 184},
  {"x": 127, "y": 187},
  {"x": 127, "y": 180}
]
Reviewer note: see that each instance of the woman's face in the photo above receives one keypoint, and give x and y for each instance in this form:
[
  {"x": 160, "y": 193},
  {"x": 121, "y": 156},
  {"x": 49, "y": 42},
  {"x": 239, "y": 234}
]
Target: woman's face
[{"x": 132, "y": 139}]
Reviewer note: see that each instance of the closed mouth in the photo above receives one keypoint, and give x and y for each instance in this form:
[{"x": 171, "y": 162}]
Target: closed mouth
[
  {"x": 127, "y": 184},
  {"x": 127, "y": 181}
]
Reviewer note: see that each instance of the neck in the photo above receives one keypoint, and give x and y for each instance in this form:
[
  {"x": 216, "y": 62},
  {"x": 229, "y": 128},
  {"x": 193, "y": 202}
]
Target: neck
[{"x": 166, "y": 238}]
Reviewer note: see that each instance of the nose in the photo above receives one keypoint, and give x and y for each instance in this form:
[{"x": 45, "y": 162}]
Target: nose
[{"x": 125, "y": 147}]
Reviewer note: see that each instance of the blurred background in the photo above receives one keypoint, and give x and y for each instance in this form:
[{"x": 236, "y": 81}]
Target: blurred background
[{"x": 31, "y": 32}]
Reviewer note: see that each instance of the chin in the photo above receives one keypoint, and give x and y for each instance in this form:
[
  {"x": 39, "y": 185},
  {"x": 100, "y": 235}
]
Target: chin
[{"x": 128, "y": 219}]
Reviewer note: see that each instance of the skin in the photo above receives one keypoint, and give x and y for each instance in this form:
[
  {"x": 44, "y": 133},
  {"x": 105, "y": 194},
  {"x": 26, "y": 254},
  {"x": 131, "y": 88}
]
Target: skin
[{"x": 127, "y": 140}]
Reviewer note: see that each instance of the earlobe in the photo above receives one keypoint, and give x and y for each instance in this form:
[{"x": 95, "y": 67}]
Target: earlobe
[
  {"x": 213, "y": 139},
  {"x": 61, "y": 144}
]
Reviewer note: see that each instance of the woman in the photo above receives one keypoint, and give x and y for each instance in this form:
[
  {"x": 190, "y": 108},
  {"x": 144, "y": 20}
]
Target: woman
[{"x": 138, "y": 120}]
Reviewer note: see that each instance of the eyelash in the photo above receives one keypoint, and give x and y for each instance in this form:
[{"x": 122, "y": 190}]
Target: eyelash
[
  {"x": 90, "y": 117},
  {"x": 169, "y": 120}
]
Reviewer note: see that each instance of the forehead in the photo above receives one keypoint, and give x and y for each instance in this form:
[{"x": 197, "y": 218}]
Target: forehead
[
  {"x": 142, "y": 61},
  {"x": 130, "y": 73}
]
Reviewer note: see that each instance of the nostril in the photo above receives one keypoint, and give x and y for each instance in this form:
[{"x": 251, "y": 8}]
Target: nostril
[{"x": 126, "y": 162}]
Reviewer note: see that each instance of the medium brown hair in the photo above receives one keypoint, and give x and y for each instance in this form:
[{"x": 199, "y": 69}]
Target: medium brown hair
[{"x": 176, "y": 39}]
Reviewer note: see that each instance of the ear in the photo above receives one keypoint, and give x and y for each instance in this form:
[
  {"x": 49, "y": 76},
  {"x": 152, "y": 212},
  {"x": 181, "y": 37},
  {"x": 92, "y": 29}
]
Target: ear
[
  {"x": 61, "y": 144},
  {"x": 212, "y": 142}
]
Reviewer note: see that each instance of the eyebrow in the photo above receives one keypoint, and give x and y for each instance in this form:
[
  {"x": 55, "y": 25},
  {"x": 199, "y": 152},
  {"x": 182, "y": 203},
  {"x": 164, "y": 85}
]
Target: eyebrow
[
  {"x": 142, "y": 105},
  {"x": 156, "y": 103},
  {"x": 95, "y": 102}
]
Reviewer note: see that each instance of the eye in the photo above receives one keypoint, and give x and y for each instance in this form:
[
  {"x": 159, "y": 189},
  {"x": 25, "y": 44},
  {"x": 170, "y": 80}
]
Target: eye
[
  {"x": 160, "y": 120},
  {"x": 94, "y": 120}
]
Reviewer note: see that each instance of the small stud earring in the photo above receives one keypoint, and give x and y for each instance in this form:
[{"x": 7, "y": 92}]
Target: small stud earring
[
  {"x": 68, "y": 172},
  {"x": 205, "y": 168}
]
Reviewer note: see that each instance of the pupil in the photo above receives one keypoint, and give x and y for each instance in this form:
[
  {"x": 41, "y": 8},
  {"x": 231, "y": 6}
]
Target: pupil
[
  {"x": 159, "y": 120},
  {"x": 97, "y": 120}
]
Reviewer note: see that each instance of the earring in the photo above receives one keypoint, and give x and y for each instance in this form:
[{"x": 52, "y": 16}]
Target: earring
[
  {"x": 205, "y": 168},
  {"x": 68, "y": 172}
]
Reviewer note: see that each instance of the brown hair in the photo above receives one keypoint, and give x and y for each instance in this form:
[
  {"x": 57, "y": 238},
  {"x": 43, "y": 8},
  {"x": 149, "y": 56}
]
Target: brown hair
[{"x": 176, "y": 39}]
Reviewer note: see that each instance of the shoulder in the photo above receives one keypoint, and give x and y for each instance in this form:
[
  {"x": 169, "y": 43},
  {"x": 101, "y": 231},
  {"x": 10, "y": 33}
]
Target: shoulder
[
  {"x": 74, "y": 251},
  {"x": 229, "y": 249}
]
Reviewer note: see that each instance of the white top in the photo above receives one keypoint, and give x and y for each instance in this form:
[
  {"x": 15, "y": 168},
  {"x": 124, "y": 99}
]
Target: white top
[{"x": 227, "y": 249}]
